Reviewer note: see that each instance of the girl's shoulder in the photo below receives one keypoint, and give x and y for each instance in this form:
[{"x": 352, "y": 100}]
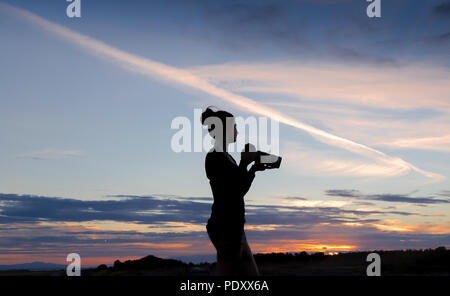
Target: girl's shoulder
[
  {"x": 220, "y": 159},
  {"x": 214, "y": 155}
]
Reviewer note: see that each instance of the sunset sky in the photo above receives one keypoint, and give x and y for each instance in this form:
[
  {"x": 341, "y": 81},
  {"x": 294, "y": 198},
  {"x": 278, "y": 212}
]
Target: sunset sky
[{"x": 86, "y": 106}]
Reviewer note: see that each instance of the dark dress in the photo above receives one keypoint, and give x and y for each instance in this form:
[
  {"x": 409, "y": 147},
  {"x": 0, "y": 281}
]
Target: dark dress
[{"x": 229, "y": 183}]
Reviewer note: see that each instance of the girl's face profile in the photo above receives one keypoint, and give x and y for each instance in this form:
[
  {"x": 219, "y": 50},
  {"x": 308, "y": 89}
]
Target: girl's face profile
[
  {"x": 232, "y": 133},
  {"x": 230, "y": 130}
]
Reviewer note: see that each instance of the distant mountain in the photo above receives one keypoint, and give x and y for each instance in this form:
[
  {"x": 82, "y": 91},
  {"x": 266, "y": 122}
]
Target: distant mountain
[
  {"x": 196, "y": 259},
  {"x": 33, "y": 266}
]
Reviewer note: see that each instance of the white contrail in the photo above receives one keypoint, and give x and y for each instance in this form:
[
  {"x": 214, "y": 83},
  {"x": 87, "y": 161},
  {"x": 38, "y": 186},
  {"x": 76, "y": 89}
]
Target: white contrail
[{"x": 158, "y": 70}]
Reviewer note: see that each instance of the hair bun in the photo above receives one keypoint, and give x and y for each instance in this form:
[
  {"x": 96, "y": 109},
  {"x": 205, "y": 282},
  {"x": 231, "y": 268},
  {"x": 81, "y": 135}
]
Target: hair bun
[{"x": 206, "y": 114}]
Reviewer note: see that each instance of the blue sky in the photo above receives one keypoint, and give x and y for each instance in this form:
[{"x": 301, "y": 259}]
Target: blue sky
[{"x": 77, "y": 125}]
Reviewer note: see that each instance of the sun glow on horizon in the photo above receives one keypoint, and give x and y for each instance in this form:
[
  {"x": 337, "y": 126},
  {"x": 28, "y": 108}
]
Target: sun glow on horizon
[{"x": 283, "y": 246}]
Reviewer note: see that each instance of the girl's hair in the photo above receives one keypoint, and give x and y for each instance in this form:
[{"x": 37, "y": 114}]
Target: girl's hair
[{"x": 220, "y": 114}]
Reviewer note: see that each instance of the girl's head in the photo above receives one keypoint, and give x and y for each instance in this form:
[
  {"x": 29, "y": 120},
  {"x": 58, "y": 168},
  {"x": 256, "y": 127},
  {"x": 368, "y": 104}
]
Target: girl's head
[{"x": 221, "y": 126}]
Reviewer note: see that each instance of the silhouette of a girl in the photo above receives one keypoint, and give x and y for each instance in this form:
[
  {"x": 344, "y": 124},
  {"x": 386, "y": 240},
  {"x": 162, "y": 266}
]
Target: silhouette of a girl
[{"x": 229, "y": 183}]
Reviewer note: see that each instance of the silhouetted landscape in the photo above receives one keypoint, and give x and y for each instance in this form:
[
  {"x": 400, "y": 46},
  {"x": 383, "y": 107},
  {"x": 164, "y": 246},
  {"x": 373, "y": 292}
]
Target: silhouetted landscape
[{"x": 430, "y": 262}]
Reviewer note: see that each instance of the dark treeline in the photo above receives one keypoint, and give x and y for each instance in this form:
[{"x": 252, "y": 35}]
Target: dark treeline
[{"x": 398, "y": 262}]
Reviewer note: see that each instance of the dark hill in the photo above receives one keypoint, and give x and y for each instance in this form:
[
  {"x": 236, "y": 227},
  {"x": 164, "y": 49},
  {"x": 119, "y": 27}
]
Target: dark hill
[
  {"x": 148, "y": 262},
  {"x": 149, "y": 265}
]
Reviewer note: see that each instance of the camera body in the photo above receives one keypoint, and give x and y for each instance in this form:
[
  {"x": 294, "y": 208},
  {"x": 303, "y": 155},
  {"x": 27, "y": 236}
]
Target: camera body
[
  {"x": 267, "y": 160},
  {"x": 263, "y": 159}
]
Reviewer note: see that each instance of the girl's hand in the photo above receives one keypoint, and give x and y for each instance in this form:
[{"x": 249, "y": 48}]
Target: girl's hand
[
  {"x": 248, "y": 155},
  {"x": 256, "y": 168}
]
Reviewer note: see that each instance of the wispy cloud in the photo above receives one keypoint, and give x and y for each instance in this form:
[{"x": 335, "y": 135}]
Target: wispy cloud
[
  {"x": 51, "y": 153},
  {"x": 318, "y": 203},
  {"x": 445, "y": 193},
  {"x": 398, "y": 226},
  {"x": 187, "y": 78},
  {"x": 441, "y": 143},
  {"x": 405, "y": 198},
  {"x": 422, "y": 129},
  {"x": 409, "y": 86},
  {"x": 301, "y": 160}
]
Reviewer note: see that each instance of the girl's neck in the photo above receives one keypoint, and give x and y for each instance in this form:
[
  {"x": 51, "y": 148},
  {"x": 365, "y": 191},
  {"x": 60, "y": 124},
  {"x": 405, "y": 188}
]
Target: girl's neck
[{"x": 220, "y": 147}]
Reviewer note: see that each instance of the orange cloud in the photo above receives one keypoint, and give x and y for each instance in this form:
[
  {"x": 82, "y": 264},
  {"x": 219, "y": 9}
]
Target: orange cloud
[
  {"x": 398, "y": 226},
  {"x": 426, "y": 228},
  {"x": 300, "y": 245}
]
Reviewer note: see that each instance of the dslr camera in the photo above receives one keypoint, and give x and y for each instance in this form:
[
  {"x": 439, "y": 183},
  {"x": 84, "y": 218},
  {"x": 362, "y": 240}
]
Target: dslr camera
[{"x": 263, "y": 159}]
